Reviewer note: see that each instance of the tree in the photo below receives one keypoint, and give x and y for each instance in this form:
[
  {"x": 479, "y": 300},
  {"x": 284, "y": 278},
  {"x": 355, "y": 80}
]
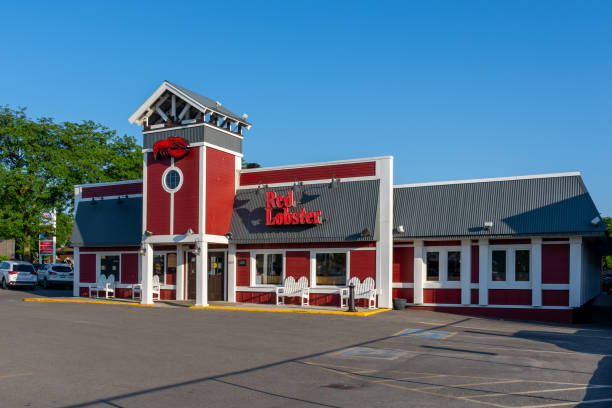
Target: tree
[
  {"x": 607, "y": 260},
  {"x": 41, "y": 161}
]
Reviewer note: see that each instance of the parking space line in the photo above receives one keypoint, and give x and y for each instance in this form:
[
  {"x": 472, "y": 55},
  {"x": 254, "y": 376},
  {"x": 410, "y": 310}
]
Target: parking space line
[
  {"x": 15, "y": 375},
  {"x": 410, "y": 378},
  {"x": 584, "y": 387},
  {"x": 473, "y": 384}
]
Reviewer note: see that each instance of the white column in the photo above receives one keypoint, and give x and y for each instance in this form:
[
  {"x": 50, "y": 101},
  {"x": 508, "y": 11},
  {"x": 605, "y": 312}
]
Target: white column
[
  {"x": 575, "y": 272},
  {"x": 202, "y": 275},
  {"x": 419, "y": 272},
  {"x": 146, "y": 272},
  {"x": 180, "y": 272},
  {"x": 231, "y": 273},
  {"x": 76, "y": 272},
  {"x": 466, "y": 270},
  {"x": 536, "y": 272},
  {"x": 483, "y": 272},
  {"x": 384, "y": 247}
]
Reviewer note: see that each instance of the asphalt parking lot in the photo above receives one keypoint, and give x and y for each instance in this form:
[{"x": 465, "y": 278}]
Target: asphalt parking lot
[{"x": 86, "y": 355}]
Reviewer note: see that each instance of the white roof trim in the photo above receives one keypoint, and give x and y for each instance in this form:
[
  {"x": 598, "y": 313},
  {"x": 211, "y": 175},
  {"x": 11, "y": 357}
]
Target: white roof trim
[
  {"x": 316, "y": 164},
  {"x": 136, "y": 116},
  {"x": 488, "y": 180},
  {"x": 109, "y": 183}
]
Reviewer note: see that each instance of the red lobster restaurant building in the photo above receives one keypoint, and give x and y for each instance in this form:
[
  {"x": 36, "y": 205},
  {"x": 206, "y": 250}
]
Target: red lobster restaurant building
[{"x": 518, "y": 247}]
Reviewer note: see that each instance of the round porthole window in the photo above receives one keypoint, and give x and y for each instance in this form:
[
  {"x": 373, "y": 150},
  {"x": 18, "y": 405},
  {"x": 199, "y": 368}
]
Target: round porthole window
[{"x": 172, "y": 180}]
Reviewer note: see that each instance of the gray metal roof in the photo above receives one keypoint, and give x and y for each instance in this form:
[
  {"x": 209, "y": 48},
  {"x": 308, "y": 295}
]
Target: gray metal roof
[
  {"x": 551, "y": 205},
  {"x": 194, "y": 134},
  {"x": 209, "y": 103},
  {"x": 347, "y": 209},
  {"x": 108, "y": 223}
]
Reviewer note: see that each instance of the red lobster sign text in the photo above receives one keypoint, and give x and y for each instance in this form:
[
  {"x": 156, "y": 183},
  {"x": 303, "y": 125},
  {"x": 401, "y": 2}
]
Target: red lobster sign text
[{"x": 172, "y": 147}]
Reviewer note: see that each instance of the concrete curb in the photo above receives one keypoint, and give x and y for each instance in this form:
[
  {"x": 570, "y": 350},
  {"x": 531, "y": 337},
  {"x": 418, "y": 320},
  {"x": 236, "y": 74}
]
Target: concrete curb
[{"x": 257, "y": 309}]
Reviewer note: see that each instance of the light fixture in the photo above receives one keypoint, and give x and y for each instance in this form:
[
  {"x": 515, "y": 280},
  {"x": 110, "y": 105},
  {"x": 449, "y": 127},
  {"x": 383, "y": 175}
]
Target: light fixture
[
  {"x": 197, "y": 248},
  {"x": 228, "y": 235},
  {"x": 488, "y": 225},
  {"x": 93, "y": 201},
  {"x": 595, "y": 221},
  {"x": 401, "y": 229},
  {"x": 188, "y": 232},
  {"x": 260, "y": 188},
  {"x": 334, "y": 182},
  {"x": 119, "y": 200},
  {"x": 147, "y": 233},
  {"x": 366, "y": 232},
  {"x": 143, "y": 249}
]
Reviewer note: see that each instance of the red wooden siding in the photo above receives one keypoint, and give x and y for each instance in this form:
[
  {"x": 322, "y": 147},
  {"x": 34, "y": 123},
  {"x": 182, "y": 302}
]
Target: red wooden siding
[
  {"x": 108, "y": 249},
  {"x": 403, "y": 264},
  {"x": 510, "y": 296},
  {"x": 363, "y": 264},
  {"x": 167, "y": 294},
  {"x": 112, "y": 190},
  {"x": 475, "y": 264},
  {"x": 555, "y": 263},
  {"x": 474, "y": 296},
  {"x": 87, "y": 268},
  {"x": 442, "y": 243},
  {"x": 541, "y": 315},
  {"x": 555, "y": 297},
  {"x": 220, "y": 189},
  {"x": 443, "y": 296},
  {"x": 309, "y": 245},
  {"x": 158, "y": 199},
  {"x": 186, "y": 199},
  {"x": 256, "y": 297},
  {"x": 84, "y": 291},
  {"x": 324, "y": 299},
  {"x": 297, "y": 264},
  {"x": 243, "y": 273},
  {"x": 129, "y": 268},
  {"x": 404, "y": 293},
  {"x": 308, "y": 173},
  {"x": 509, "y": 241}
]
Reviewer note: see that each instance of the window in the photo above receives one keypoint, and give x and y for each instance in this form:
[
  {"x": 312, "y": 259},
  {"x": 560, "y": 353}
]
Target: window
[
  {"x": 23, "y": 268},
  {"x": 171, "y": 269},
  {"x": 521, "y": 265},
  {"x": 498, "y": 265},
  {"x": 172, "y": 179},
  {"x": 269, "y": 269},
  {"x": 454, "y": 265},
  {"x": 433, "y": 266},
  {"x": 61, "y": 268},
  {"x": 109, "y": 265},
  {"x": 159, "y": 267},
  {"x": 331, "y": 268}
]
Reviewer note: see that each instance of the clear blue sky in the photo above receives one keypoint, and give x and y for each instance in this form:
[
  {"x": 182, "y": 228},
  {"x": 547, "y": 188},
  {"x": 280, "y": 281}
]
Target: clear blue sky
[{"x": 451, "y": 89}]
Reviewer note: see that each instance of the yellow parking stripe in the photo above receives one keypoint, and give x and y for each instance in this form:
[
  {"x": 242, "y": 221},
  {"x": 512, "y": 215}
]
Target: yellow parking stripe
[{"x": 303, "y": 311}]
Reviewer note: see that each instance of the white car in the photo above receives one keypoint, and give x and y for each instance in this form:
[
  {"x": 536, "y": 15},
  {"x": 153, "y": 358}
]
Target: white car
[
  {"x": 55, "y": 274},
  {"x": 17, "y": 273}
]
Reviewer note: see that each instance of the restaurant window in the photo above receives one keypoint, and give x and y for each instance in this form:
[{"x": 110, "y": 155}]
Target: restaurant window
[
  {"x": 269, "y": 269},
  {"x": 331, "y": 269},
  {"x": 159, "y": 267},
  {"x": 171, "y": 269},
  {"x": 109, "y": 265},
  {"x": 454, "y": 265},
  {"x": 498, "y": 265},
  {"x": 433, "y": 266},
  {"x": 521, "y": 265}
]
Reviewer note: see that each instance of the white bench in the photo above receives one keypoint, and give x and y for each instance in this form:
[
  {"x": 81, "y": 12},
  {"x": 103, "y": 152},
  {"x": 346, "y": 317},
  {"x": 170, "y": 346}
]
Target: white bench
[
  {"x": 291, "y": 288},
  {"x": 103, "y": 284},
  {"x": 363, "y": 290}
]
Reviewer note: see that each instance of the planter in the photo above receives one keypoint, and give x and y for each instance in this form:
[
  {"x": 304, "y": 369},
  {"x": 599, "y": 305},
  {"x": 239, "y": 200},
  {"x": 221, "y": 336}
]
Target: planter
[{"x": 399, "y": 304}]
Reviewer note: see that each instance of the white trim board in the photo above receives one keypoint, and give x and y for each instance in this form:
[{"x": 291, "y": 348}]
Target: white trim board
[
  {"x": 487, "y": 180},
  {"x": 109, "y": 183}
]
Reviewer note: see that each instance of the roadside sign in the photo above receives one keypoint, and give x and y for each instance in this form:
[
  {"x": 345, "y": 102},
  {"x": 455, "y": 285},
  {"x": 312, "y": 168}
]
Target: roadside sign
[{"x": 45, "y": 247}]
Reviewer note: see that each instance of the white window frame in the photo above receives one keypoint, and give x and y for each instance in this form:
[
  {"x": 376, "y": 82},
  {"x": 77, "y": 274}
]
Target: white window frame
[
  {"x": 99, "y": 256},
  {"x": 165, "y": 173},
  {"x": 510, "y": 282},
  {"x": 313, "y": 266},
  {"x": 165, "y": 254},
  {"x": 282, "y": 252},
  {"x": 442, "y": 281}
]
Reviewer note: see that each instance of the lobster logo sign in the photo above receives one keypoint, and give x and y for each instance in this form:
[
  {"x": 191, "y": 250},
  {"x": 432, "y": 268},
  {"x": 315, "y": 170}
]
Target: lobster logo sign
[{"x": 176, "y": 147}]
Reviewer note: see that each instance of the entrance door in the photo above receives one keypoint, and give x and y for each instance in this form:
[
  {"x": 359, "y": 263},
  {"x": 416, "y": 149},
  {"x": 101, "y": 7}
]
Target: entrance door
[
  {"x": 216, "y": 272},
  {"x": 191, "y": 275}
]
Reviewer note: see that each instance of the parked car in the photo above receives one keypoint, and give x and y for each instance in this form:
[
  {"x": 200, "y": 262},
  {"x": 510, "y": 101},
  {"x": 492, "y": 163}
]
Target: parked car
[
  {"x": 17, "y": 273},
  {"x": 55, "y": 274}
]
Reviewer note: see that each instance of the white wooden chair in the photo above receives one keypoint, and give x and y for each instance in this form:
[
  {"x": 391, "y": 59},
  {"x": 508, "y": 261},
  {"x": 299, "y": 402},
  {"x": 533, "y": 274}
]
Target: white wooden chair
[
  {"x": 291, "y": 288},
  {"x": 156, "y": 288},
  {"x": 137, "y": 289},
  {"x": 363, "y": 290},
  {"x": 106, "y": 284}
]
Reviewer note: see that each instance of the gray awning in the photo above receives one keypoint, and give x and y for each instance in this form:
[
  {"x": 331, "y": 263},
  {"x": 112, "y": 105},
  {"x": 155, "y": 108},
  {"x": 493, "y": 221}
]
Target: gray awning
[
  {"x": 347, "y": 209},
  {"x": 108, "y": 223}
]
